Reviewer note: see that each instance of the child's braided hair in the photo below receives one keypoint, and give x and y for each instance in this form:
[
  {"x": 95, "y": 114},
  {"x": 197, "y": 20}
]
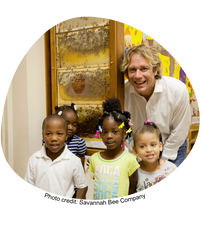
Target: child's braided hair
[{"x": 112, "y": 107}]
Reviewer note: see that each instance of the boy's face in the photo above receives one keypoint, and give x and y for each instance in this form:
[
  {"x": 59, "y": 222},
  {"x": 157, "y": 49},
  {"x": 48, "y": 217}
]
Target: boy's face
[
  {"x": 54, "y": 135},
  {"x": 148, "y": 147}
]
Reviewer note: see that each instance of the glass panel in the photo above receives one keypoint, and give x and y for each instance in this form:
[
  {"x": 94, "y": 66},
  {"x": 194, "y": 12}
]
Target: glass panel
[
  {"x": 83, "y": 86},
  {"x": 88, "y": 116},
  {"x": 83, "y": 70}
]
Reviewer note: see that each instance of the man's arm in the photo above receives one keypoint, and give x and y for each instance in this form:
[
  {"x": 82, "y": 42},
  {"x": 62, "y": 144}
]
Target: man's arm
[{"x": 180, "y": 122}]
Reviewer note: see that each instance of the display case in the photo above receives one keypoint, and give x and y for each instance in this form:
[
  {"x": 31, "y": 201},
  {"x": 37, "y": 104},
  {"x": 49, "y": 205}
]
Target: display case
[{"x": 84, "y": 56}]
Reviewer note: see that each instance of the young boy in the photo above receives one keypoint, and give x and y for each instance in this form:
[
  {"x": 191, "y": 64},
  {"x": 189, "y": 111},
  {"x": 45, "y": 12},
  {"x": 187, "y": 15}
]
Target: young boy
[{"x": 54, "y": 168}]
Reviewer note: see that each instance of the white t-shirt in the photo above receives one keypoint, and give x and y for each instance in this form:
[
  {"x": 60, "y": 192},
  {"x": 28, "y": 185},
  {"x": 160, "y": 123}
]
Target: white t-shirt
[
  {"x": 148, "y": 179},
  {"x": 58, "y": 176}
]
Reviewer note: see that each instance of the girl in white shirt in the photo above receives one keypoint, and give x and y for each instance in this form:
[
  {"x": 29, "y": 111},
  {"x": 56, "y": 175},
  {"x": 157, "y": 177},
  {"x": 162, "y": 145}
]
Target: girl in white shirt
[{"x": 148, "y": 147}]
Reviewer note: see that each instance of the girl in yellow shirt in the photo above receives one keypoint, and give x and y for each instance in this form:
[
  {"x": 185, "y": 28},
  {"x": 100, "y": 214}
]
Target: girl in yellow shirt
[{"x": 114, "y": 169}]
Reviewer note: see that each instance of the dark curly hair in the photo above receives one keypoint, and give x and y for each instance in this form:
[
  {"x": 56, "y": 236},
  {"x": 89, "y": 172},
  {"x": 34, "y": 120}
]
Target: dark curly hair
[
  {"x": 66, "y": 107},
  {"x": 112, "y": 107},
  {"x": 151, "y": 128}
]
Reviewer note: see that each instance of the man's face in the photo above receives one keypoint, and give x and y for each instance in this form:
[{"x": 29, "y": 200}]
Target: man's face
[{"x": 141, "y": 75}]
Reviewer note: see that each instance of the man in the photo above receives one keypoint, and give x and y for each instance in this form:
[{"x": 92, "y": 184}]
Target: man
[{"x": 163, "y": 100}]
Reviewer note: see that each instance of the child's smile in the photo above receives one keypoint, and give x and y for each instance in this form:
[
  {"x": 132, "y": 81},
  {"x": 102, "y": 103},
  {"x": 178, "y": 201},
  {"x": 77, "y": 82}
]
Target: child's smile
[
  {"x": 112, "y": 135},
  {"x": 148, "y": 147}
]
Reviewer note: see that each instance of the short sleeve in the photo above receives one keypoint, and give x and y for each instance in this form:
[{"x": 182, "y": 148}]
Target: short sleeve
[
  {"x": 79, "y": 175},
  {"x": 133, "y": 165},
  {"x": 81, "y": 147},
  {"x": 91, "y": 166}
]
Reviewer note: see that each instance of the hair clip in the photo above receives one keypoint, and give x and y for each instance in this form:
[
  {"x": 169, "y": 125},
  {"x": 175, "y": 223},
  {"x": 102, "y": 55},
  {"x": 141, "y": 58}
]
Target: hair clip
[
  {"x": 60, "y": 113},
  {"x": 122, "y": 125},
  {"x": 74, "y": 107},
  {"x": 97, "y": 134},
  {"x": 106, "y": 112},
  {"x": 148, "y": 122},
  {"x": 129, "y": 130},
  {"x": 129, "y": 122},
  {"x": 129, "y": 140},
  {"x": 100, "y": 128}
]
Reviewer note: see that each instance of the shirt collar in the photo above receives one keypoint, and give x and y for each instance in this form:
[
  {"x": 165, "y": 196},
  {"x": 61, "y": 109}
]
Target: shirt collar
[
  {"x": 158, "y": 87},
  {"x": 65, "y": 154}
]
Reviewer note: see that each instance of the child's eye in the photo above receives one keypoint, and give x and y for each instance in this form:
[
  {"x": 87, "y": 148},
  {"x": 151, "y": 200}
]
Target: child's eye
[
  {"x": 48, "y": 134},
  {"x": 154, "y": 144},
  {"x": 115, "y": 131}
]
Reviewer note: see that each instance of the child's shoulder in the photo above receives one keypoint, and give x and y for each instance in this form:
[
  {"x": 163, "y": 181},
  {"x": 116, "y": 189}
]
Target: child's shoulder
[
  {"x": 96, "y": 154},
  {"x": 37, "y": 155},
  {"x": 129, "y": 155},
  {"x": 170, "y": 165},
  {"x": 75, "y": 138}
]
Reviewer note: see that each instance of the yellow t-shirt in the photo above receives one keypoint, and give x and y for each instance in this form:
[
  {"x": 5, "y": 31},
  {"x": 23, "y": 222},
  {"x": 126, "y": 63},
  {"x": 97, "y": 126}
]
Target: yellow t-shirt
[{"x": 112, "y": 176}]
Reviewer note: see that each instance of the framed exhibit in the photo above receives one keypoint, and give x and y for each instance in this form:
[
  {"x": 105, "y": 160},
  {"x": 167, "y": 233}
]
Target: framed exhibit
[{"x": 82, "y": 58}]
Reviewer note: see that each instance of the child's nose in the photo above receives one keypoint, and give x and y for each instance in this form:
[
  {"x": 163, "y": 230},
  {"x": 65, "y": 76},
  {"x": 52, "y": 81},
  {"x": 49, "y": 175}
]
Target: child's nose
[
  {"x": 70, "y": 126},
  {"x": 109, "y": 135},
  {"x": 54, "y": 137},
  {"x": 148, "y": 148}
]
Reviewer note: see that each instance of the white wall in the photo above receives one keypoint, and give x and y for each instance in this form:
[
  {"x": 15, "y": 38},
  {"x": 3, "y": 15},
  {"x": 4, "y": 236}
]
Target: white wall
[{"x": 25, "y": 109}]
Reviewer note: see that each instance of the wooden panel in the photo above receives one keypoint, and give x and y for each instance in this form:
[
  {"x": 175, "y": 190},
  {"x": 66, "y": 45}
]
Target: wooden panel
[
  {"x": 120, "y": 55},
  {"x": 91, "y": 151},
  {"x": 48, "y": 72},
  {"x": 116, "y": 54},
  {"x": 192, "y": 136},
  {"x": 113, "y": 65},
  {"x": 53, "y": 69}
]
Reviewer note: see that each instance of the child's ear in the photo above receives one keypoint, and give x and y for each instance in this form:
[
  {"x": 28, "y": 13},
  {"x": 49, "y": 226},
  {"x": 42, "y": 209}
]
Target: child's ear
[
  {"x": 124, "y": 135},
  {"x": 161, "y": 146},
  {"x": 134, "y": 151}
]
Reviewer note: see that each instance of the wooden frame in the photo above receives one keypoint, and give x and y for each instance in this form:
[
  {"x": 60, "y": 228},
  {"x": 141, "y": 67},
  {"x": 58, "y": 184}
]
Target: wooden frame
[
  {"x": 48, "y": 72},
  {"x": 116, "y": 42},
  {"x": 53, "y": 70},
  {"x": 192, "y": 136},
  {"x": 116, "y": 53}
]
